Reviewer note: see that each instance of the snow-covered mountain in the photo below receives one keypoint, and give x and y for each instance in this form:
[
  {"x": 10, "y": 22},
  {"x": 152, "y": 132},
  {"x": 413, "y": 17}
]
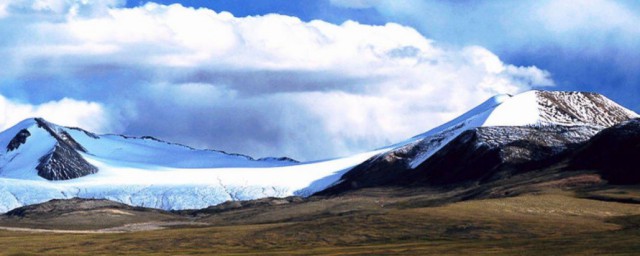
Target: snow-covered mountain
[
  {"x": 532, "y": 108},
  {"x": 62, "y": 153},
  {"x": 503, "y": 134},
  {"x": 40, "y": 161}
]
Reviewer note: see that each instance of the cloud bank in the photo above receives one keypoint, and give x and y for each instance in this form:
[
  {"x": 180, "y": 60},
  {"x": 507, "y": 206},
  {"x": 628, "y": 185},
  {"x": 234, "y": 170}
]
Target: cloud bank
[
  {"x": 588, "y": 45},
  {"x": 89, "y": 115},
  {"x": 259, "y": 85}
]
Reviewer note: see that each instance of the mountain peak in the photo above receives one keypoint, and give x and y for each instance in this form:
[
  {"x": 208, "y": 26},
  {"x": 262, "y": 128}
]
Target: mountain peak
[
  {"x": 580, "y": 108},
  {"x": 504, "y": 135},
  {"x": 548, "y": 108},
  {"x": 35, "y": 144},
  {"x": 60, "y": 135},
  {"x": 54, "y": 152},
  {"x": 535, "y": 108}
]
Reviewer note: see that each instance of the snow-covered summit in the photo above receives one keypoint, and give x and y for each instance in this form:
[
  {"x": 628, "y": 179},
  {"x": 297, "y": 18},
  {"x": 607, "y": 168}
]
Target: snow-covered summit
[
  {"x": 503, "y": 131},
  {"x": 531, "y": 108},
  {"x": 540, "y": 108},
  {"x": 555, "y": 108}
]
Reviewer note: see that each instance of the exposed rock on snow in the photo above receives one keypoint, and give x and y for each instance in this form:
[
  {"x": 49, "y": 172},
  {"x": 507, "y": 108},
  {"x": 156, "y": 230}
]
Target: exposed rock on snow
[
  {"x": 18, "y": 140},
  {"x": 64, "y": 163}
]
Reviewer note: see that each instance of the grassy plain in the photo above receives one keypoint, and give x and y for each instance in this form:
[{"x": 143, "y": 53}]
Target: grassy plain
[{"x": 552, "y": 222}]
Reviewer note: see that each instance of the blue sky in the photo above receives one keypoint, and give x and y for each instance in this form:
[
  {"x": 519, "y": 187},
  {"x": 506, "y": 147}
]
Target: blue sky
[
  {"x": 307, "y": 79},
  {"x": 305, "y": 10}
]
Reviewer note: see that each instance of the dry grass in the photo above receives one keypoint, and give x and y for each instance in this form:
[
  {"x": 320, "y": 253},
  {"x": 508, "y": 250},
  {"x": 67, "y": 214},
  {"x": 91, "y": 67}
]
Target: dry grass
[
  {"x": 88, "y": 219},
  {"x": 552, "y": 223}
]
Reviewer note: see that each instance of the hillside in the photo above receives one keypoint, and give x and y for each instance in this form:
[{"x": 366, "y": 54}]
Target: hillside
[{"x": 555, "y": 219}]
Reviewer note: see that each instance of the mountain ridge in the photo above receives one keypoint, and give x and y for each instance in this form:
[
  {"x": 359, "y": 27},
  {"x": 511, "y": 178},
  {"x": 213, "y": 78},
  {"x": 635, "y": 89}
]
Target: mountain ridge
[{"x": 506, "y": 131}]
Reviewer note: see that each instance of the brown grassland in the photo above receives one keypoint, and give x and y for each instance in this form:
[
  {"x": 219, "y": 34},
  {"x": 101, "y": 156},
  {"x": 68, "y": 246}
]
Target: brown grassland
[{"x": 378, "y": 221}]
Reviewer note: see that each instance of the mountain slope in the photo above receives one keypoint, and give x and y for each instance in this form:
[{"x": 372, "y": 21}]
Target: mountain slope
[
  {"x": 503, "y": 136},
  {"x": 613, "y": 152},
  {"x": 478, "y": 155}
]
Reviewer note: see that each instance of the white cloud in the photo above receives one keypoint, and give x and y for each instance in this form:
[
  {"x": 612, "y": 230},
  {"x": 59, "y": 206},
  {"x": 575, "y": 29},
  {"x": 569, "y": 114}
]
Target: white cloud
[
  {"x": 67, "y": 112},
  {"x": 3, "y": 9},
  {"x": 263, "y": 85}
]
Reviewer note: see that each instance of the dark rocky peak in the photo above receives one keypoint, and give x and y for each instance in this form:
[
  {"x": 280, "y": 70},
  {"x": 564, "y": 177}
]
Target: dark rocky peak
[{"x": 63, "y": 161}]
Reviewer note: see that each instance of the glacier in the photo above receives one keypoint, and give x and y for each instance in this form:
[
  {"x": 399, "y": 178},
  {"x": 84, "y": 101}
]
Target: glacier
[{"x": 152, "y": 173}]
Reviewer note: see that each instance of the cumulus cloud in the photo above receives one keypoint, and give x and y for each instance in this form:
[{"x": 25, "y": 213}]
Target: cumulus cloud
[
  {"x": 67, "y": 112},
  {"x": 588, "y": 45},
  {"x": 261, "y": 85}
]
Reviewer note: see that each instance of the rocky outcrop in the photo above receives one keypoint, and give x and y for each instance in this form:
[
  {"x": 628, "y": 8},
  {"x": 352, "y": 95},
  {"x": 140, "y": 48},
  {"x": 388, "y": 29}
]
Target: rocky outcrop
[
  {"x": 64, "y": 163},
  {"x": 279, "y": 159},
  {"x": 18, "y": 140},
  {"x": 62, "y": 206}
]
